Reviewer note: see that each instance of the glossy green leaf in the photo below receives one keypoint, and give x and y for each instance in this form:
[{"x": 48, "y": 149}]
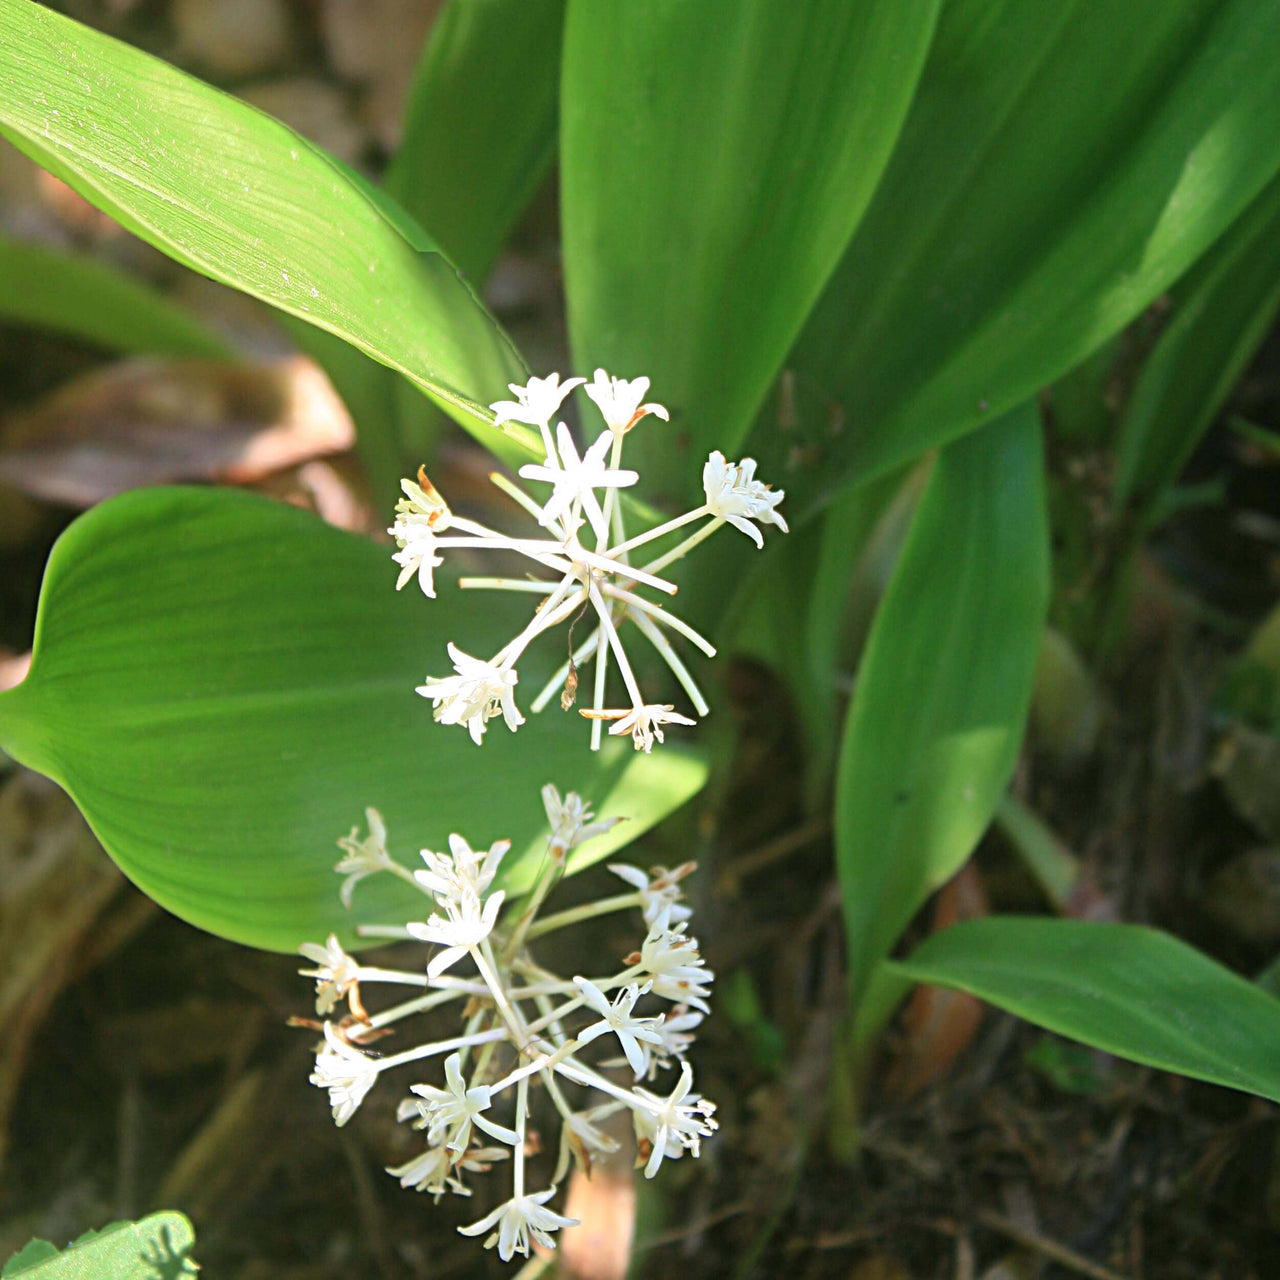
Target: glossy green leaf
[
  {"x": 156, "y": 1248},
  {"x": 235, "y": 195},
  {"x": 715, "y": 159},
  {"x": 222, "y": 684},
  {"x": 1063, "y": 163},
  {"x": 942, "y": 692},
  {"x": 75, "y": 294},
  {"x": 1222, "y": 312},
  {"x": 1131, "y": 991},
  {"x": 480, "y": 124}
]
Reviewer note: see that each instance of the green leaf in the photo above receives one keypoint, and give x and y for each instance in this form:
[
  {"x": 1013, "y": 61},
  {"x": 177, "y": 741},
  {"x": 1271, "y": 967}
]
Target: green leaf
[
  {"x": 715, "y": 159},
  {"x": 77, "y": 295},
  {"x": 222, "y": 684},
  {"x": 235, "y": 195},
  {"x": 941, "y": 696},
  {"x": 480, "y": 124},
  {"x": 157, "y": 1248},
  {"x": 1222, "y": 312},
  {"x": 1063, "y": 164},
  {"x": 1132, "y": 991}
]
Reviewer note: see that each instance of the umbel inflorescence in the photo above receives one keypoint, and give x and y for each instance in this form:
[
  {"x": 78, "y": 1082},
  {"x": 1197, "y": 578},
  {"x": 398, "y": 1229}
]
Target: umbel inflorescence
[
  {"x": 583, "y": 1039},
  {"x": 588, "y": 556}
]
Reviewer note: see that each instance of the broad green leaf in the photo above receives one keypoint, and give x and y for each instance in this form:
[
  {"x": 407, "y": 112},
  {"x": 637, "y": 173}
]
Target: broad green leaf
[
  {"x": 1129, "y": 990},
  {"x": 222, "y": 684},
  {"x": 76, "y": 294},
  {"x": 480, "y": 124},
  {"x": 156, "y": 1248},
  {"x": 235, "y": 195},
  {"x": 942, "y": 692},
  {"x": 1063, "y": 163},
  {"x": 1222, "y": 312},
  {"x": 715, "y": 159}
]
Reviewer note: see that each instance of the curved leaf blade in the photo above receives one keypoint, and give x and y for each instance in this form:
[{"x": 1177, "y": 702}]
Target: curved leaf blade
[
  {"x": 480, "y": 124},
  {"x": 1062, "y": 165},
  {"x": 237, "y": 196},
  {"x": 77, "y": 295},
  {"x": 715, "y": 159},
  {"x": 1222, "y": 312},
  {"x": 1132, "y": 991},
  {"x": 222, "y": 684},
  {"x": 942, "y": 692}
]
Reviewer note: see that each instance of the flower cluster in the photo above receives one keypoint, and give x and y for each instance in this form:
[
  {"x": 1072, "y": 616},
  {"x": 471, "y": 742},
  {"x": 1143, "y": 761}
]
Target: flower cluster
[
  {"x": 521, "y": 1024},
  {"x": 586, "y": 551}
]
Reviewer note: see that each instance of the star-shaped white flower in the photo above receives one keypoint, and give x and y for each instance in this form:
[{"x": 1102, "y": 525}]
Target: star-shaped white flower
[
  {"x": 571, "y": 822},
  {"x": 619, "y": 401},
  {"x": 479, "y": 691},
  {"x": 517, "y": 1220},
  {"x": 336, "y": 973},
  {"x": 673, "y": 964},
  {"x": 675, "y": 1124},
  {"x": 536, "y": 403},
  {"x": 364, "y": 857},
  {"x": 450, "y": 1112},
  {"x": 644, "y": 724},
  {"x": 462, "y": 871},
  {"x": 658, "y": 890},
  {"x": 734, "y": 494},
  {"x": 677, "y": 1039},
  {"x": 465, "y": 924},
  {"x": 437, "y": 1169},
  {"x": 576, "y": 478},
  {"x": 618, "y": 1019},
  {"x": 347, "y": 1073}
]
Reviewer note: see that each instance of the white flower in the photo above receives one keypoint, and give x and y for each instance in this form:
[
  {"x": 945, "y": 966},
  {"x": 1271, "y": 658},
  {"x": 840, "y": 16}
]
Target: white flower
[
  {"x": 364, "y": 857},
  {"x": 347, "y": 1073},
  {"x": 644, "y": 724},
  {"x": 658, "y": 890},
  {"x": 437, "y": 1169},
  {"x": 674, "y": 965},
  {"x": 581, "y": 1140},
  {"x": 517, "y": 1220},
  {"x": 464, "y": 925},
  {"x": 675, "y": 1124},
  {"x": 420, "y": 515},
  {"x": 571, "y": 822},
  {"x": 336, "y": 972},
  {"x": 450, "y": 1112},
  {"x": 734, "y": 494},
  {"x": 619, "y": 401},
  {"x": 535, "y": 403},
  {"x": 461, "y": 872},
  {"x": 479, "y": 691},
  {"x": 618, "y": 1019},
  {"x": 575, "y": 479}
]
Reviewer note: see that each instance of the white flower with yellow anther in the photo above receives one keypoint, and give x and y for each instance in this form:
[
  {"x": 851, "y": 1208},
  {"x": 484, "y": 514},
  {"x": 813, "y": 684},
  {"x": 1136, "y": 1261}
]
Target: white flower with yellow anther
[
  {"x": 659, "y": 890},
  {"x": 673, "y": 964},
  {"x": 437, "y": 1169},
  {"x": 571, "y": 821},
  {"x": 462, "y": 871},
  {"x": 450, "y": 1112},
  {"x": 587, "y": 563},
  {"x": 464, "y": 925}
]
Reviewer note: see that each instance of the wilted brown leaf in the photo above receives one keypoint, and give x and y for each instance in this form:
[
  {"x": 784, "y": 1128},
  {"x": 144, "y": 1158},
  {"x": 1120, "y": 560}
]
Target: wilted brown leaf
[{"x": 142, "y": 422}]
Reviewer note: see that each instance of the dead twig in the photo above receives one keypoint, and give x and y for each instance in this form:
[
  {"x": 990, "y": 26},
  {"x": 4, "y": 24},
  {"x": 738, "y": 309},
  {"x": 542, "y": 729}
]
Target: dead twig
[{"x": 1042, "y": 1245}]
